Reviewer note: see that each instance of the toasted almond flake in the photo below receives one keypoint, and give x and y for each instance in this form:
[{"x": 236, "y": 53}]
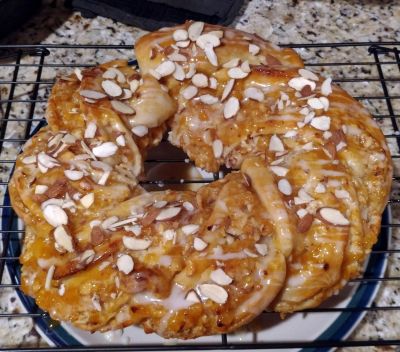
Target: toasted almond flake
[
  {"x": 160, "y": 204},
  {"x": 107, "y": 223},
  {"x": 249, "y": 253},
  {"x": 135, "y": 244},
  {"x": 195, "y": 30},
  {"x": 304, "y": 111},
  {"x": 63, "y": 239},
  {"x": 199, "y": 245},
  {"x": 254, "y": 94},
  {"x": 231, "y": 107},
  {"x": 135, "y": 229},
  {"x": 254, "y": 49},
  {"x": 166, "y": 68},
  {"x": 320, "y": 188},
  {"x": 105, "y": 150},
  {"x": 208, "y": 39},
  {"x": 300, "y": 124},
  {"x": 190, "y": 229},
  {"x": 191, "y": 71},
  {"x": 308, "y": 74},
  {"x": 134, "y": 85},
  {"x": 192, "y": 297},
  {"x": 122, "y": 107},
  {"x": 333, "y": 216},
  {"x": 188, "y": 206},
  {"x": 111, "y": 88},
  {"x": 140, "y": 130},
  {"x": 218, "y": 148},
  {"x": 285, "y": 187},
  {"x": 155, "y": 74},
  {"x": 101, "y": 165},
  {"x": 125, "y": 264},
  {"x": 103, "y": 265},
  {"x": 290, "y": 134},
  {"x": 61, "y": 290},
  {"x": 315, "y": 103},
  {"x": 179, "y": 73},
  {"x": 169, "y": 235},
  {"x": 90, "y": 130},
  {"x": 92, "y": 94},
  {"x": 78, "y": 73},
  {"x": 47, "y": 161},
  {"x": 96, "y": 303},
  {"x": 180, "y": 34},
  {"x": 214, "y": 292},
  {"x": 110, "y": 73},
  {"x": 279, "y": 170},
  {"x": 304, "y": 195},
  {"x": 325, "y": 102},
  {"x": 298, "y": 83},
  {"x": 322, "y": 123},
  {"x": 87, "y": 200},
  {"x": 49, "y": 277},
  {"x": 261, "y": 248},
  {"x": 126, "y": 94},
  {"x": 176, "y": 57},
  {"x": 210, "y": 54},
  {"x": 183, "y": 44},
  {"x": 231, "y": 63},
  {"x": 29, "y": 160},
  {"x": 208, "y": 99},
  {"x": 121, "y": 140},
  {"x": 237, "y": 73},
  {"x": 275, "y": 144},
  {"x": 122, "y": 222},
  {"x": 227, "y": 89},
  {"x": 220, "y": 277},
  {"x": 200, "y": 80},
  {"x": 40, "y": 189},
  {"x": 245, "y": 67},
  {"x": 301, "y": 213},
  {"x": 277, "y": 161},
  {"x": 189, "y": 92},
  {"x": 213, "y": 84},
  {"x": 55, "y": 215},
  {"x": 73, "y": 175},
  {"x": 42, "y": 168},
  {"x": 342, "y": 194},
  {"x": 326, "y": 87},
  {"x": 168, "y": 213}
]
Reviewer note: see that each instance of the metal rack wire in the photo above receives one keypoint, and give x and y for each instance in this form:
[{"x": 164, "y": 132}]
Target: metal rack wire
[{"x": 28, "y": 72}]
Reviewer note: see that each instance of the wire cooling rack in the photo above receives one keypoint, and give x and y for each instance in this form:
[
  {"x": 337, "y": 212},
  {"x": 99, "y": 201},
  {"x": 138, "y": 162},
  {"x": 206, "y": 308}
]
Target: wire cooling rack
[{"x": 369, "y": 71}]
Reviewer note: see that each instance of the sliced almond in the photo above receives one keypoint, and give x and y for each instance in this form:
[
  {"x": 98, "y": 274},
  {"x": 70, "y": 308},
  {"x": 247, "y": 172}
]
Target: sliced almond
[
  {"x": 191, "y": 71},
  {"x": 254, "y": 49},
  {"x": 121, "y": 141},
  {"x": 227, "y": 89},
  {"x": 78, "y": 73},
  {"x": 122, "y": 107},
  {"x": 315, "y": 103},
  {"x": 208, "y": 39},
  {"x": 214, "y": 292},
  {"x": 220, "y": 277},
  {"x": 189, "y": 92},
  {"x": 305, "y": 223},
  {"x": 245, "y": 67},
  {"x": 92, "y": 94},
  {"x": 320, "y": 188},
  {"x": 183, "y": 44},
  {"x": 111, "y": 88},
  {"x": 169, "y": 235},
  {"x": 200, "y": 80},
  {"x": 63, "y": 239},
  {"x": 109, "y": 73},
  {"x": 188, "y": 206},
  {"x": 208, "y": 99},
  {"x": 105, "y": 150},
  {"x": 285, "y": 187},
  {"x": 49, "y": 277},
  {"x": 199, "y": 245},
  {"x": 180, "y": 34},
  {"x": 166, "y": 68},
  {"x": 107, "y": 223},
  {"x": 135, "y": 244},
  {"x": 87, "y": 200},
  {"x": 333, "y": 217},
  {"x": 140, "y": 130},
  {"x": 195, "y": 30},
  {"x": 342, "y": 194},
  {"x": 213, "y": 84},
  {"x": 90, "y": 130},
  {"x": 290, "y": 134},
  {"x": 279, "y": 170},
  {"x": 325, "y": 102},
  {"x": 176, "y": 57},
  {"x": 160, "y": 204},
  {"x": 231, "y": 63},
  {"x": 218, "y": 148},
  {"x": 41, "y": 189},
  {"x": 192, "y": 297},
  {"x": 47, "y": 161},
  {"x": 231, "y": 107},
  {"x": 125, "y": 264},
  {"x": 134, "y": 85},
  {"x": 261, "y": 248},
  {"x": 326, "y": 87},
  {"x": 275, "y": 144},
  {"x": 237, "y": 73},
  {"x": 190, "y": 229},
  {"x": 55, "y": 215},
  {"x": 29, "y": 160},
  {"x": 210, "y": 54},
  {"x": 73, "y": 175},
  {"x": 301, "y": 212},
  {"x": 298, "y": 83},
  {"x": 168, "y": 213},
  {"x": 126, "y": 94},
  {"x": 308, "y": 74},
  {"x": 179, "y": 73},
  {"x": 254, "y": 94},
  {"x": 155, "y": 74},
  {"x": 322, "y": 123}
]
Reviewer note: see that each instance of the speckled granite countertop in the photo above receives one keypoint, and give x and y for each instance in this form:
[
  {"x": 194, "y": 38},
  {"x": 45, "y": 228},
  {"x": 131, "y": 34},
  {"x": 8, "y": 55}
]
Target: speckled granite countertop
[{"x": 284, "y": 21}]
